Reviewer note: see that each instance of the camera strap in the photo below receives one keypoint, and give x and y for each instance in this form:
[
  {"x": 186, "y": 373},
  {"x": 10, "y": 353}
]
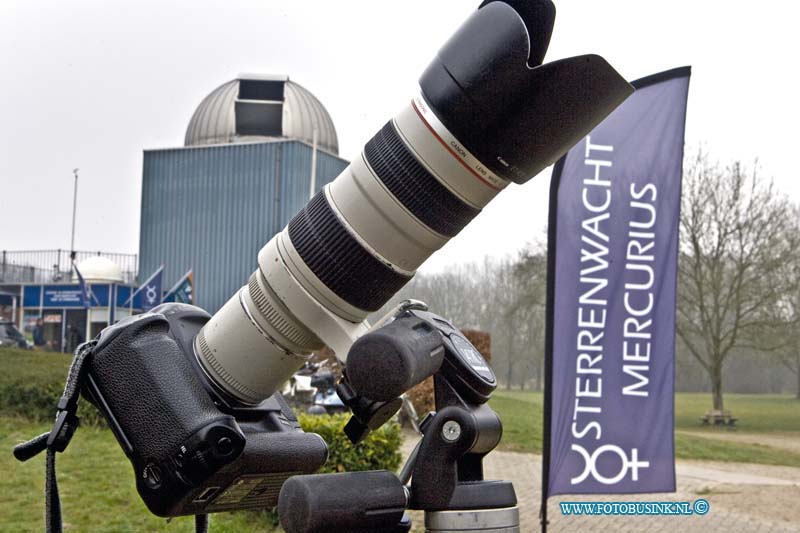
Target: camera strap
[{"x": 57, "y": 439}]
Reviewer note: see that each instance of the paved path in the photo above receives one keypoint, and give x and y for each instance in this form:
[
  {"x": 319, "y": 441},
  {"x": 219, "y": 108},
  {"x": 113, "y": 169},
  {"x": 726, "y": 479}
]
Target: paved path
[{"x": 742, "y": 497}]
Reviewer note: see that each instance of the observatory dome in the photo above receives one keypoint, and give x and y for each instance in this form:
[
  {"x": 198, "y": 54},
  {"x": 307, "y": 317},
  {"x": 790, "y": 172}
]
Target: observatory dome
[
  {"x": 99, "y": 269},
  {"x": 256, "y": 108}
]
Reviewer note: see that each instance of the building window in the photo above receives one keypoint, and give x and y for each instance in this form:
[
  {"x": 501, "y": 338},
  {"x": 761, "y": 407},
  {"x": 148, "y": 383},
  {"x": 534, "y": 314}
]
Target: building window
[
  {"x": 259, "y": 118},
  {"x": 265, "y": 90}
]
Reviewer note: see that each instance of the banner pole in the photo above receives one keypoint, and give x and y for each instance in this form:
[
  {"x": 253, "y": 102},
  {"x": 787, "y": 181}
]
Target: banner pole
[{"x": 552, "y": 217}]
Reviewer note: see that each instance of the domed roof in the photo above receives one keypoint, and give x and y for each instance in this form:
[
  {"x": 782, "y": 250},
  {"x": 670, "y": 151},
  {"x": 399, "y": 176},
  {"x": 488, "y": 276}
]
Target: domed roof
[
  {"x": 256, "y": 107},
  {"x": 99, "y": 269}
]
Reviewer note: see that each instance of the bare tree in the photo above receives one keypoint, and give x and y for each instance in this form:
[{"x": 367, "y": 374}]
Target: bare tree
[
  {"x": 789, "y": 353},
  {"x": 514, "y": 315},
  {"x": 733, "y": 247},
  {"x": 530, "y": 271},
  {"x": 786, "y": 312}
]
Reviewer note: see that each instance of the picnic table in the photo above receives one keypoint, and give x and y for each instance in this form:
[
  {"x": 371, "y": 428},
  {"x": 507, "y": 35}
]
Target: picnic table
[{"x": 715, "y": 417}]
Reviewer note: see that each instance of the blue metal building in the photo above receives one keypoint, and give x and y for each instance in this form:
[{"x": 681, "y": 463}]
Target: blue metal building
[{"x": 245, "y": 171}]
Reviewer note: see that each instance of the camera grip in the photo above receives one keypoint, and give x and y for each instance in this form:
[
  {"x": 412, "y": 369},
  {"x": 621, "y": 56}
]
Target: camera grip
[
  {"x": 150, "y": 387},
  {"x": 160, "y": 412}
]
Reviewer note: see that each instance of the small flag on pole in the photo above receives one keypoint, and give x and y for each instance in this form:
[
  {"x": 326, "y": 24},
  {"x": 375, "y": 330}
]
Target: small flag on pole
[
  {"x": 149, "y": 294},
  {"x": 182, "y": 291},
  {"x": 86, "y": 290}
]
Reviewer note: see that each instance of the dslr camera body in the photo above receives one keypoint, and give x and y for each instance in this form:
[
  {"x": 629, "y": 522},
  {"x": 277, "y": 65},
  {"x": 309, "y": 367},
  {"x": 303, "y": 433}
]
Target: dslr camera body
[{"x": 194, "y": 450}]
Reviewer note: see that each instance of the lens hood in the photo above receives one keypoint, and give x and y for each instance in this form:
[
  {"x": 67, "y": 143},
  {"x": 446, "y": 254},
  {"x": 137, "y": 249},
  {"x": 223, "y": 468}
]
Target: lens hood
[{"x": 517, "y": 116}]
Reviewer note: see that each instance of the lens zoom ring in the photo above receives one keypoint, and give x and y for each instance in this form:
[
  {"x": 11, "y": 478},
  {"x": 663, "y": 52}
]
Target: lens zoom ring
[
  {"x": 277, "y": 319},
  {"x": 339, "y": 260},
  {"x": 416, "y": 188}
]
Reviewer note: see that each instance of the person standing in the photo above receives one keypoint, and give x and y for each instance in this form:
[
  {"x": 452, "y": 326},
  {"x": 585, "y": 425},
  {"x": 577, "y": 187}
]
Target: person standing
[
  {"x": 39, "y": 341},
  {"x": 74, "y": 338}
]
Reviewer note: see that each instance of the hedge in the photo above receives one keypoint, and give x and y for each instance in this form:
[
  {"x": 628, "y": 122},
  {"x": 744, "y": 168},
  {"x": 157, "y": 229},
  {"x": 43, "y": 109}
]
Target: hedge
[
  {"x": 379, "y": 451},
  {"x": 482, "y": 341},
  {"x": 32, "y": 382}
]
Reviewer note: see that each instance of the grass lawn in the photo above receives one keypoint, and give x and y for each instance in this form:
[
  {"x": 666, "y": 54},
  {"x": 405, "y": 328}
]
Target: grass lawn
[
  {"x": 522, "y": 425},
  {"x": 96, "y": 486},
  {"x": 521, "y": 414},
  {"x": 710, "y": 449},
  {"x": 96, "y": 480},
  {"x": 756, "y": 413}
]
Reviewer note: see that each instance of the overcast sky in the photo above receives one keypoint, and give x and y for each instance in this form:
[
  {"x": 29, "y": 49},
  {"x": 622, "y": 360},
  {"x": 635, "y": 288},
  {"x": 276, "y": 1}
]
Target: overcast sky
[{"x": 90, "y": 84}]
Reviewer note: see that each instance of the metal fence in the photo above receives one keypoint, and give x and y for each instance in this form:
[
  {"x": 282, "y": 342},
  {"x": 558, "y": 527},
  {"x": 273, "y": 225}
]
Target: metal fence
[{"x": 45, "y": 266}]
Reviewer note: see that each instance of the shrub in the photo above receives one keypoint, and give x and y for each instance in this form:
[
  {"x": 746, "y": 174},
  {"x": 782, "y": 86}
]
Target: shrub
[
  {"x": 379, "y": 451},
  {"x": 422, "y": 397},
  {"x": 482, "y": 341},
  {"x": 32, "y": 383}
]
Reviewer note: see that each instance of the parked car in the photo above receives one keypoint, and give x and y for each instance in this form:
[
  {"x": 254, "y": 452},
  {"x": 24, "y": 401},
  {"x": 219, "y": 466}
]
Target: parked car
[{"x": 10, "y": 336}]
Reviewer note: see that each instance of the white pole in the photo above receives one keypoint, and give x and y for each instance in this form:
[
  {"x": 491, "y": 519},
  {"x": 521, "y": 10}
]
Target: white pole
[
  {"x": 313, "y": 187},
  {"x": 112, "y": 303},
  {"x": 22, "y": 303},
  {"x": 74, "y": 209},
  {"x": 88, "y": 331},
  {"x": 63, "y": 330}
]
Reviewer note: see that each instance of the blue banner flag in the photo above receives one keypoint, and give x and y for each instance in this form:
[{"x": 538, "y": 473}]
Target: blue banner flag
[
  {"x": 612, "y": 276},
  {"x": 183, "y": 291},
  {"x": 85, "y": 289},
  {"x": 149, "y": 294}
]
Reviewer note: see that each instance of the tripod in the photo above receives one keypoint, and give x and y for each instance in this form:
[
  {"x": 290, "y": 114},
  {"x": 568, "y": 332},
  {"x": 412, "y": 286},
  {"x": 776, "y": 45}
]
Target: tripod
[{"x": 444, "y": 475}]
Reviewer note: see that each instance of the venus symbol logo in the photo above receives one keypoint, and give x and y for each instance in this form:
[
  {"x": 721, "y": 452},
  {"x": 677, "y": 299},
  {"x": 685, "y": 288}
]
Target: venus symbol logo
[
  {"x": 150, "y": 295},
  {"x": 590, "y": 461}
]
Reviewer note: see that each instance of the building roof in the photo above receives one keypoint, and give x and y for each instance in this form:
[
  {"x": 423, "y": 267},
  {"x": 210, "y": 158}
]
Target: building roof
[{"x": 256, "y": 107}]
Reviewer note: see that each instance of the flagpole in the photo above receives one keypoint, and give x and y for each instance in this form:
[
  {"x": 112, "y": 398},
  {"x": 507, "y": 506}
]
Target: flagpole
[
  {"x": 74, "y": 211},
  {"x": 87, "y": 331},
  {"x": 86, "y": 299},
  {"x": 313, "y": 184},
  {"x": 177, "y": 285},
  {"x": 160, "y": 284},
  {"x": 112, "y": 303},
  {"x": 552, "y": 216}
]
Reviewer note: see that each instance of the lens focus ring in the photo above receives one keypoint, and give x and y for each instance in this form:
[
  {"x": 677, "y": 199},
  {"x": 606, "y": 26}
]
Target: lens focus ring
[
  {"x": 416, "y": 188},
  {"x": 339, "y": 260},
  {"x": 270, "y": 309}
]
